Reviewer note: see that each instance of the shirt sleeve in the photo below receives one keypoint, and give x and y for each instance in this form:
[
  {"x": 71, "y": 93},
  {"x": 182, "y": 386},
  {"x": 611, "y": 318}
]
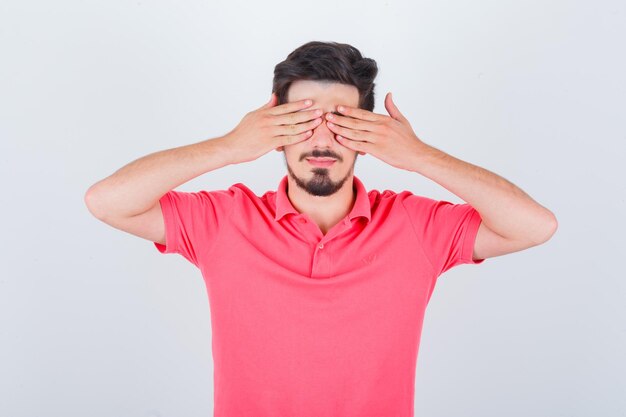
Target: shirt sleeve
[
  {"x": 446, "y": 231},
  {"x": 193, "y": 221}
]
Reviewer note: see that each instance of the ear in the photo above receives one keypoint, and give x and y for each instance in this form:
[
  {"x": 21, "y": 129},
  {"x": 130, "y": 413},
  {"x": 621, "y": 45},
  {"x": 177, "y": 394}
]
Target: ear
[{"x": 272, "y": 102}]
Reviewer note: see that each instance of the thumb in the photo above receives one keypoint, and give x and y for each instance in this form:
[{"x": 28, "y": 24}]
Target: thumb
[{"x": 392, "y": 109}]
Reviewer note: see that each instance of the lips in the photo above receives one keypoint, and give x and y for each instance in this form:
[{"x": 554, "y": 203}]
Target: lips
[{"x": 321, "y": 162}]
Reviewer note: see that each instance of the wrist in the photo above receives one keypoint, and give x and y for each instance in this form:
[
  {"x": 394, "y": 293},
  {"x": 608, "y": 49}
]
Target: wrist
[
  {"x": 422, "y": 152},
  {"x": 218, "y": 150}
]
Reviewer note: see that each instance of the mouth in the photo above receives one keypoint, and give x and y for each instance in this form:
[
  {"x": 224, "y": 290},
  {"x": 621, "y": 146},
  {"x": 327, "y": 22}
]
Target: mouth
[{"x": 321, "y": 162}]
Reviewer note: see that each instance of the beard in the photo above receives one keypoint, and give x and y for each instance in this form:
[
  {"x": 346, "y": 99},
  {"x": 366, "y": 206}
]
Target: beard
[{"x": 320, "y": 185}]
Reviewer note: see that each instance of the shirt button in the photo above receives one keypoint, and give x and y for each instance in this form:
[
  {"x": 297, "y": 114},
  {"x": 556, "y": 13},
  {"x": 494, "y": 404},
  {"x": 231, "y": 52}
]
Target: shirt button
[
  {"x": 302, "y": 220},
  {"x": 320, "y": 246}
]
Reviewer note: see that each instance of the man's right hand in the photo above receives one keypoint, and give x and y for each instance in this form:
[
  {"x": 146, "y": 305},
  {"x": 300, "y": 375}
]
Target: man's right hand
[{"x": 270, "y": 127}]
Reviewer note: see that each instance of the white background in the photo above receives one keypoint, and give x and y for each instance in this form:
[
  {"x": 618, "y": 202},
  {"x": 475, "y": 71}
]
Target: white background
[{"x": 95, "y": 322}]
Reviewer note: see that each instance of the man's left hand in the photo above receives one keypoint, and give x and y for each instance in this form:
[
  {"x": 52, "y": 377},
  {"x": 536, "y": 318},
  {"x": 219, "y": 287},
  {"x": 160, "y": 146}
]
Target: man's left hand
[{"x": 389, "y": 138}]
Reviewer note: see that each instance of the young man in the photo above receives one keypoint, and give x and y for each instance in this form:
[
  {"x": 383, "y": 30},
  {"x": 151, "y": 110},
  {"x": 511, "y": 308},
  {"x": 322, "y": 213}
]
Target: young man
[{"x": 318, "y": 289}]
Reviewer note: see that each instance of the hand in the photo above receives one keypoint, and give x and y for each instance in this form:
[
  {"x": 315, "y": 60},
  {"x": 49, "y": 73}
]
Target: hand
[
  {"x": 271, "y": 127},
  {"x": 390, "y": 139}
]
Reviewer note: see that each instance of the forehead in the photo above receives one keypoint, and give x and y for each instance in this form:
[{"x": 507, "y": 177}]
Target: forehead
[{"x": 325, "y": 94}]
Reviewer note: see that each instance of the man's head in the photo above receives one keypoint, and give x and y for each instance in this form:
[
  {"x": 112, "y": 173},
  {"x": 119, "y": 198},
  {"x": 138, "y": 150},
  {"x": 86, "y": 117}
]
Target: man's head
[{"x": 330, "y": 74}]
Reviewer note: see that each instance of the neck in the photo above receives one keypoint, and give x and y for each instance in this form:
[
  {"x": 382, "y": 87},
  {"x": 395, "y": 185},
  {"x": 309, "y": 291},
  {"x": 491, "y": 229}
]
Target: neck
[{"x": 326, "y": 211}]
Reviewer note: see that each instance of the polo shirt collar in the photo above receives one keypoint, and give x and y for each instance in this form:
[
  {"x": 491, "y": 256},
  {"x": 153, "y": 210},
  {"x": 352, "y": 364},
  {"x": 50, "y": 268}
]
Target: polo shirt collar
[{"x": 361, "y": 206}]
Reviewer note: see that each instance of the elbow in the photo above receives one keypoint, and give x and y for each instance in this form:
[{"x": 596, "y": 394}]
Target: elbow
[
  {"x": 550, "y": 228},
  {"x": 90, "y": 199}
]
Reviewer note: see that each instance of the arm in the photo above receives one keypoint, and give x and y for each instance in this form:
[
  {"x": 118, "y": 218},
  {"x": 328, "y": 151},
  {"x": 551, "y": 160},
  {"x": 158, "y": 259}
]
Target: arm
[
  {"x": 129, "y": 199},
  {"x": 511, "y": 219},
  {"x": 137, "y": 187}
]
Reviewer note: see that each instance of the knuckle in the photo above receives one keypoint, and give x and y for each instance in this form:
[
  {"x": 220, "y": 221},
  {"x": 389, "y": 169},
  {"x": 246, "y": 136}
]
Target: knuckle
[{"x": 291, "y": 118}]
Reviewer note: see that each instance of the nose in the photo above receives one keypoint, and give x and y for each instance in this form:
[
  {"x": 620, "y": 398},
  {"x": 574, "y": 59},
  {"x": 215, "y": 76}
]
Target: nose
[{"x": 322, "y": 135}]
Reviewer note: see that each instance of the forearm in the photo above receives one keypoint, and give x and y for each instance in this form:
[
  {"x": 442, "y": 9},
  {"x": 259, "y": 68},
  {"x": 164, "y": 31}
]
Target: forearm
[
  {"x": 505, "y": 208},
  {"x": 137, "y": 186}
]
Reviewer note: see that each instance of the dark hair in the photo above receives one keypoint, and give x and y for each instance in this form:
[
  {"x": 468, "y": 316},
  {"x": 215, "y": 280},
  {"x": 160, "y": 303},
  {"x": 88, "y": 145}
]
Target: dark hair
[{"x": 327, "y": 61}]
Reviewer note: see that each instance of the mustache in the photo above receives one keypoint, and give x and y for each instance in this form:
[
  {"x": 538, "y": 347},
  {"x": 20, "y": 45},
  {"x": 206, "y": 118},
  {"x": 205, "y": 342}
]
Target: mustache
[{"x": 315, "y": 154}]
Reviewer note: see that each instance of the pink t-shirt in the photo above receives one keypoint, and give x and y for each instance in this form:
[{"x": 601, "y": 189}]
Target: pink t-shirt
[{"x": 313, "y": 325}]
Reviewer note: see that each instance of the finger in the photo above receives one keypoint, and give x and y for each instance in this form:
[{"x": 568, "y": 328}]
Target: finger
[
  {"x": 291, "y": 139},
  {"x": 360, "y": 113},
  {"x": 392, "y": 109},
  {"x": 291, "y": 107},
  {"x": 351, "y": 123},
  {"x": 360, "y": 135},
  {"x": 294, "y": 129},
  {"x": 355, "y": 145},
  {"x": 297, "y": 117}
]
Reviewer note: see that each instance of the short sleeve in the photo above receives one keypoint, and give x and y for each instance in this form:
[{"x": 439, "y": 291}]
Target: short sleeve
[
  {"x": 446, "y": 231},
  {"x": 193, "y": 221}
]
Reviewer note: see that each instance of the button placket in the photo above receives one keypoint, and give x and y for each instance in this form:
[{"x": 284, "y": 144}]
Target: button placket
[{"x": 321, "y": 261}]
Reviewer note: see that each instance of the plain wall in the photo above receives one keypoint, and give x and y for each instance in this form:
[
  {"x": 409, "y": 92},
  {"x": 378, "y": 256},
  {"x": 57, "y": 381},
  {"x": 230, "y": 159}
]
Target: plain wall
[{"x": 95, "y": 322}]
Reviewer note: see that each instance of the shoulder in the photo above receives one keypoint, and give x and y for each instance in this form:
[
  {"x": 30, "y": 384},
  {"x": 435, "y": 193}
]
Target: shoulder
[
  {"x": 219, "y": 199},
  {"x": 388, "y": 202},
  {"x": 396, "y": 197},
  {"x": 245, "y": 198}
]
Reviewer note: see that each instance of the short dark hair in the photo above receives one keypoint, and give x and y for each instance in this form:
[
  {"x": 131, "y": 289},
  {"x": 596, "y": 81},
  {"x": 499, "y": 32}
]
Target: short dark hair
[{"x": 327, "y": 61}]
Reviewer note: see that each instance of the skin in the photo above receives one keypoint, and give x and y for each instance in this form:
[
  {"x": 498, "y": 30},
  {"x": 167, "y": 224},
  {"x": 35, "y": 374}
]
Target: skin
[
  {"x": 324, "y": 194},
  {"x": 511, "y": 219}
]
